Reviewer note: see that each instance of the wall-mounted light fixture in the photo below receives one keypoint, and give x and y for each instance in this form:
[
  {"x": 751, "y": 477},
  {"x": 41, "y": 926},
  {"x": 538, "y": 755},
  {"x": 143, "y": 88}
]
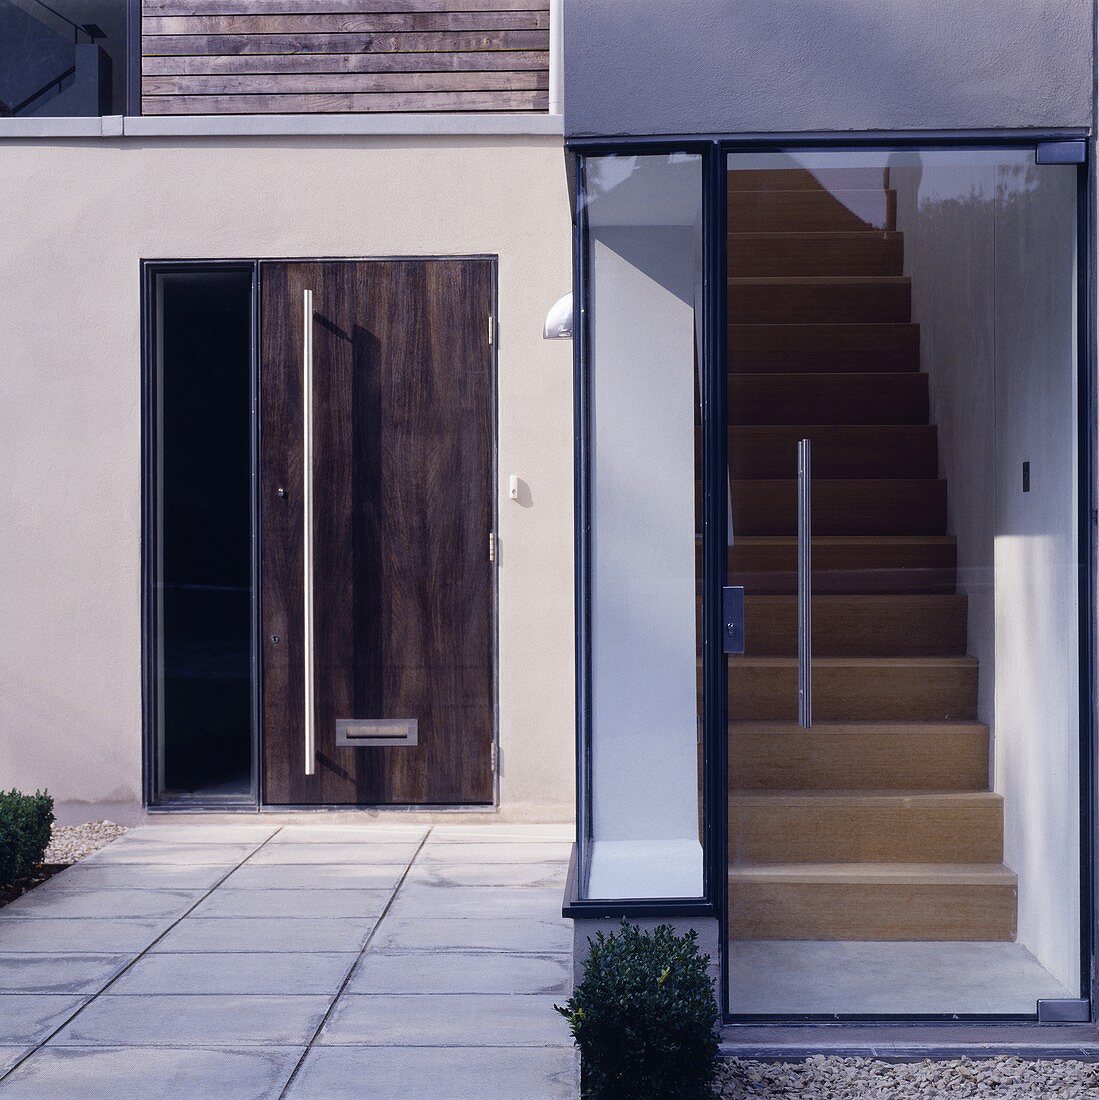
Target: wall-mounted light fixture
[{"x": 558, "y": 324}]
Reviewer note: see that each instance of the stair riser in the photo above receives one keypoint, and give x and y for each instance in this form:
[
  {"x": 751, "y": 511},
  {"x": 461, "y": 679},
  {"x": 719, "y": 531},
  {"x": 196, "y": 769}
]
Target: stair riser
[
  {"x": 899, "y": 693},
  {"x": 801, "y": 179},
  {"x": 891, "y": 568},
  {"x": 886, "y": 626},
  {"x": 825, "y": 302},
  {"x": 782, "y": 254},
  {"x": 788, "y": 758},
  {"x": 763, "y": 911},
  {"x": 796, "y": 348},
  {"x": 840, "y": 830},
  {"x": 820, "y": 211},
  {"x": 763, "y": 451},
  {"x": 824, "y": 399},
  {"x": 897, "y": 507}
]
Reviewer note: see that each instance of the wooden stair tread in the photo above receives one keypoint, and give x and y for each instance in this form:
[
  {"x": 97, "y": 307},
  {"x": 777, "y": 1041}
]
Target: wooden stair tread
[
  {"x": 867, "y": 664},
  {"x": 813, "y": 235},
  {"x": 888, "y": 799},
  {"x": 907, "y": 874},
  {"x": 819, "y": 179},
  {"x": 849, "y": 540},
  {"x": 905, "y": 729},
  {"x": 819, "y": 280}
]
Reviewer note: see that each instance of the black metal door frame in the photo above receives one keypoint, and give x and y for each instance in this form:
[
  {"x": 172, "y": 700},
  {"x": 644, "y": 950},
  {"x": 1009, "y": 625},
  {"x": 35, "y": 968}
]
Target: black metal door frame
[{"x": 794, "y": 1036}]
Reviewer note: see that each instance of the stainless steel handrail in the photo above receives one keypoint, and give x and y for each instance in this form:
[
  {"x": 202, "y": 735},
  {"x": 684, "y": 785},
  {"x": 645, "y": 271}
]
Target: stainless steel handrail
[
  {"x": 805, "y": 585},
  {"x": 307, "y": 541}
]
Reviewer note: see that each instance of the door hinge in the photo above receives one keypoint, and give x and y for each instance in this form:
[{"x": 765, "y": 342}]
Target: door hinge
[
  {"x": 492, "y": 546},
  {"x": 491, "y": 328},
  {"x": 493, "y": 758}
]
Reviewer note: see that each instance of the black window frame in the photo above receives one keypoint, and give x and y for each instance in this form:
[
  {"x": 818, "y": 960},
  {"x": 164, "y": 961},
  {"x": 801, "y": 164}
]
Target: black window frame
[
  {"x": 798, "y": 1036},
  {"x": 153, "y": 797}
]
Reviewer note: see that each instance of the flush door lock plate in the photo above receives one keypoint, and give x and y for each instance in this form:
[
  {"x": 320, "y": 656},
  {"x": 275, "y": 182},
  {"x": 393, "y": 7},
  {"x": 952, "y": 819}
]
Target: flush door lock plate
[{"x": 732, "y": 619}]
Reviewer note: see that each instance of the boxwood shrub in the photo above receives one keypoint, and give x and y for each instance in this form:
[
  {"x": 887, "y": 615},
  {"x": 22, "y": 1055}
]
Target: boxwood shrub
[
  {"x": 25, "y": 822},
  {"x": 645, "y": 1017}
]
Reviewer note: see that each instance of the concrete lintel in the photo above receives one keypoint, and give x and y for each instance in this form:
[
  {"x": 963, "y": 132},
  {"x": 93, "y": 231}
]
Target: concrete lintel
[
  {"x": 380, "y": 125},
  {"x": 83, "y": 127}
]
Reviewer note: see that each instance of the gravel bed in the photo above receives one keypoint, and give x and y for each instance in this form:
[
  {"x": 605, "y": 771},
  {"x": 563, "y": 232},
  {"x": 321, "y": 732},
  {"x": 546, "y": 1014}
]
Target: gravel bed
[
  {"x": 71, "y": 843},
  {"x": 822, "y": 1078}
]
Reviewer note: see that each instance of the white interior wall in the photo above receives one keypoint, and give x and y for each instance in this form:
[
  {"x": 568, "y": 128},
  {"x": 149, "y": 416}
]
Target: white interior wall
[
  {"x": 644, "y": 665},
  {"x": 990, "y": 246}
]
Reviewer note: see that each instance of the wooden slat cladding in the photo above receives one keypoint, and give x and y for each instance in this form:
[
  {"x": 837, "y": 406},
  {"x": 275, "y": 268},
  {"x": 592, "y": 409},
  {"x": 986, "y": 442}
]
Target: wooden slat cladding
[
  {"x": 348, "y": 63},
  {"x": 348, "y": 24},
  {"x": 337, "y": 56}
]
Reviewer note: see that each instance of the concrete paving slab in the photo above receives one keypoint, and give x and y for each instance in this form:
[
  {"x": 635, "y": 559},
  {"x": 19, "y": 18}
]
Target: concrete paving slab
[
  {"x": 293, "y": 903},
  {"x": 165, "y": 852},
  {"x": 134, "y": 1073},
  {"x": 198, "y": 1020},
  {"x": 317, "y": 876},
  {"x": 266, "y": 934},
  {"x": 461, "y": 1020},
  {"x": 51, "y": 972},
  {"x": 133, "y": 876},
  {"x": 410, "y": 1073},
  {"x": 400, "y": 852},
  {"x": 462, "y": 972},
  {"x": 10, "y": 1055},
  {"x": 175, "y": 832},
  {"x": 535, "y": 832},
  {"x": 237, "y": 972},
  {"x": 489, "y": 874},
  {"x": 430, "y": 900},
  {"x": 525, "y": 935},
  {"x": 74, "y": 934},
  {"x": 117, "y": 902},
  {"x": 351, "y": 834},
  {"x": 473, "y": 851},
  {"x": 27, "y": 1018}
]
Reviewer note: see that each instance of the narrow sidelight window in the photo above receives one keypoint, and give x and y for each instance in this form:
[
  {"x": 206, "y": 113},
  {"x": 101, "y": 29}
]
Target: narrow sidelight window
[
  {"x": 200, "y": 502},
  {"x": 643, "y": 261}
]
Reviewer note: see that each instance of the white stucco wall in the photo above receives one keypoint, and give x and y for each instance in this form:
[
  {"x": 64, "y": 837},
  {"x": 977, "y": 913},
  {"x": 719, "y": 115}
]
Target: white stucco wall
[{"x": 78, "y": 216}]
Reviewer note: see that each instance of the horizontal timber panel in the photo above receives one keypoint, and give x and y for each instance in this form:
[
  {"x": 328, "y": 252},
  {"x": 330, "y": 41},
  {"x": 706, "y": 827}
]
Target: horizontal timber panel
[
  {"x": 388, "y": 42},
  {"x": 326, "y": 83},
  {"x": 348, "y": 102},
  {"x": 343, "y": 56},
  {"x": 347, "y": 24},
  {"x": 295, "y": 7},
  {"x": 302, "y": 64}
]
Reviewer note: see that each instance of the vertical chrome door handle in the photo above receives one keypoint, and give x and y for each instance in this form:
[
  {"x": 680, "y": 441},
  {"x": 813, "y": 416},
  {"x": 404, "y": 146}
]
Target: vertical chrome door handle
[
  {"x": 805, "y": 585},
  {"x": 307, "y": 528}
]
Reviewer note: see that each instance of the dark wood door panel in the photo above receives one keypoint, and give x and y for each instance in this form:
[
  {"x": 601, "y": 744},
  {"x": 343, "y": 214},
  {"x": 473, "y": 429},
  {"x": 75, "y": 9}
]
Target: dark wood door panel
[{"x": 402, "y": 481}]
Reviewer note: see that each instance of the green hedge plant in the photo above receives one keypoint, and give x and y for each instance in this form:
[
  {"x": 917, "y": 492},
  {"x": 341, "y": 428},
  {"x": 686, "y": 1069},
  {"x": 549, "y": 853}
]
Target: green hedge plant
[
  {"x": 645, "y": 1017},
  {"x": 25, "y": 824}
]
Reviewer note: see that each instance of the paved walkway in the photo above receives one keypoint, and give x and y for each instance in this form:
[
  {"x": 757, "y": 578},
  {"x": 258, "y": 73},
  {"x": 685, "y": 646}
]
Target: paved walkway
[{"x": 312, "y": 960}]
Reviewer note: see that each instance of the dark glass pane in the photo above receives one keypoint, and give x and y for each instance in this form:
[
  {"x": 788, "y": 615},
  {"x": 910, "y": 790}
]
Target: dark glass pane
[{"x": 204, "y": 585}]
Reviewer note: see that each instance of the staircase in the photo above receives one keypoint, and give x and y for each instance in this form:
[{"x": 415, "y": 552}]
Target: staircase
[{"x": 877, "y": 823}]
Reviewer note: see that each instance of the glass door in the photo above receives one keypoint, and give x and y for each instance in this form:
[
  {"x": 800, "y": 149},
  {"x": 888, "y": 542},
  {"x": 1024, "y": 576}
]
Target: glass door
[{"x": 904, "y": 733}]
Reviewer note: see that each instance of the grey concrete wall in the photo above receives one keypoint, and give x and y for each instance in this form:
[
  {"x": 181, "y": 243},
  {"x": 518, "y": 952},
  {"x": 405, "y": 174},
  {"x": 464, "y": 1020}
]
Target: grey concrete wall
[{"x": 715, "y": 66}]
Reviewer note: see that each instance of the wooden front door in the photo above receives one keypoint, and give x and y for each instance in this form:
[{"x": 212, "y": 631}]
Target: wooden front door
[{"x": 376, "y": 488}]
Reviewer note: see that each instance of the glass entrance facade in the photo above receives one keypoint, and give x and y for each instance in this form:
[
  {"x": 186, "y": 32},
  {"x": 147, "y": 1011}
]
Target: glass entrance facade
[{"x": 879, "y": 441}]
